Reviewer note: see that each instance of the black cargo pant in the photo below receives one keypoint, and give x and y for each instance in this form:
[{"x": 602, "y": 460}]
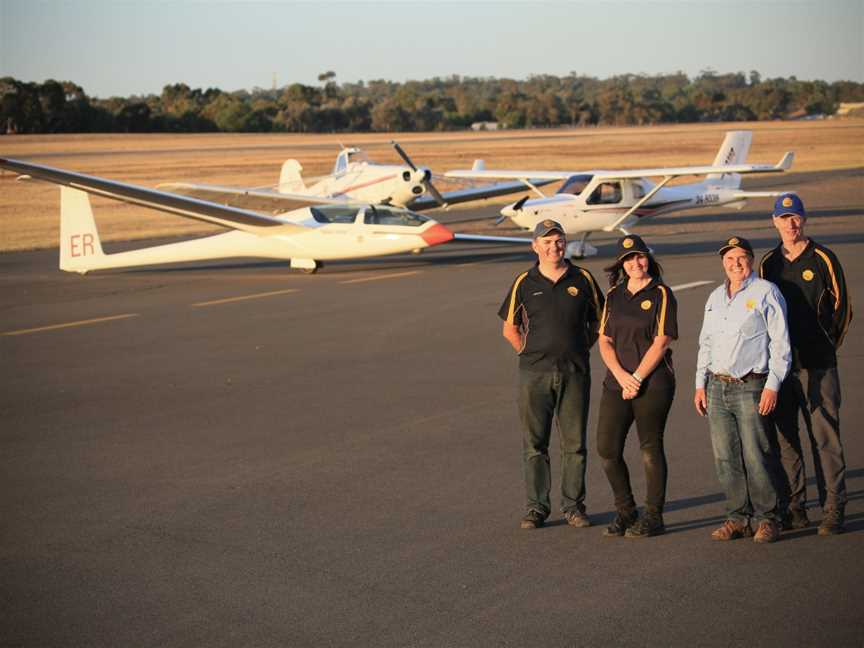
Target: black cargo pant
[
  {"x": 815, "y": 394},
  {"x": 649, "y": 410}
]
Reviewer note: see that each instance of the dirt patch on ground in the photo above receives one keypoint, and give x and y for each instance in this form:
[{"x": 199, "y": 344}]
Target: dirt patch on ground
[{"x": 29, "y": 211}]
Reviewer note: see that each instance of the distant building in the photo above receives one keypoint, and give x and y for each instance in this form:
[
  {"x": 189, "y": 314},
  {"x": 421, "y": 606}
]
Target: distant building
[{"x": 486, "y": 126}]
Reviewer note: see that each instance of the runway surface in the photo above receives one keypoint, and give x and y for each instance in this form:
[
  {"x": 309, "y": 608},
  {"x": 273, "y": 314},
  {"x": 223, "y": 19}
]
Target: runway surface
[{"x": 236, "y": 454}]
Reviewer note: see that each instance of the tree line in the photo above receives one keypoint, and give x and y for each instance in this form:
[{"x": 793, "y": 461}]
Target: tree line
[{"x": 451, "y": 103}]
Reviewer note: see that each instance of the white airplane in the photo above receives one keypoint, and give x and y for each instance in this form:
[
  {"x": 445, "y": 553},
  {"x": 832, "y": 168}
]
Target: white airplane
[
  {"x": 308, "y": 230},
  {"x": 354, "y": 178},
  {"x": 592, "y": 201}
]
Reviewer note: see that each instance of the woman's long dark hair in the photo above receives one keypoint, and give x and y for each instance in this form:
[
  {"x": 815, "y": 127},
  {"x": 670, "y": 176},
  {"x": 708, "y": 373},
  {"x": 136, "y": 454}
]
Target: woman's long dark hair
[{"x": 615, "y": 271}]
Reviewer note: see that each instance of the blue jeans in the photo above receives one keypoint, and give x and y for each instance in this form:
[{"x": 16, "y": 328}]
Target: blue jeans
[
  {"x": 743, "y": 455},
  {"x": 544, "y": 397}
]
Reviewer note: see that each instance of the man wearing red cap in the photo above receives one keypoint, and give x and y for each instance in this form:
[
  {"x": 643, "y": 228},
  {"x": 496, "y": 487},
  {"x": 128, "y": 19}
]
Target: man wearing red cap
[{"x": 811, "y": 279}]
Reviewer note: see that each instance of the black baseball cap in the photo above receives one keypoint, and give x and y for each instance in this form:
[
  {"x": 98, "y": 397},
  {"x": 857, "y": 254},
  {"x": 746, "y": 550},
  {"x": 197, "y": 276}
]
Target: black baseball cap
[
  {"x": 736, "y": 242},
  {"x": 631, "y": 244},
  {"x": 545, "y": 226}
]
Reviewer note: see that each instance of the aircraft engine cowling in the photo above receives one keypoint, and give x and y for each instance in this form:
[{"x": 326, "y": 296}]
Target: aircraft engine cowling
[{"x": 413, "y": 185}]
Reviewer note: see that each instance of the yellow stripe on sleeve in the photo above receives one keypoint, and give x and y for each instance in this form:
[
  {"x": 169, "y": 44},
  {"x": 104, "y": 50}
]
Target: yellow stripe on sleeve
[
  {"x": 593, "y": 285},
  {"x": 833, "y": 277},
  {"x": 511, "y": 312},
  {"x": 661, "y": 320}
]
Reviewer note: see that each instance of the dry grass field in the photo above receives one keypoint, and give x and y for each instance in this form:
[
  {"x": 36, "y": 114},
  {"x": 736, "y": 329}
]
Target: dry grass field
[{"x": 29, "y": 211}]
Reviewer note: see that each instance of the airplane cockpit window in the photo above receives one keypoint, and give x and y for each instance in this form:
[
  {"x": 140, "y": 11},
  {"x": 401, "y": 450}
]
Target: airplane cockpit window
[
  {"x": 385, "y": 216},
  {"x": 638, "y": 190},
  {"x": 606, "y": 193},
  {"x": 334, "y": 214},
  {"x": 575, "y": 184}
]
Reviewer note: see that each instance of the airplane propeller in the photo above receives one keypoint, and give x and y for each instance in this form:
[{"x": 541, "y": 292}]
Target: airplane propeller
[{"x": 427, "y": 175}]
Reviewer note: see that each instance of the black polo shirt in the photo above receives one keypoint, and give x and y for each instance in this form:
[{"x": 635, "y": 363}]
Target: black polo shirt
[
  {"x": 559, "y": 320},
  {"x": 817, "y": 304},
  {"x": 633, "y": 321}
]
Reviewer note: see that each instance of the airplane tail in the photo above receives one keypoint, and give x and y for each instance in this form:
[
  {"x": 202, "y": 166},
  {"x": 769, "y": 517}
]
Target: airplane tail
[
  {"x": 290, "y": 180},
  {"x": 733, "y": 150},
  {"x": 79, "y": 239}
]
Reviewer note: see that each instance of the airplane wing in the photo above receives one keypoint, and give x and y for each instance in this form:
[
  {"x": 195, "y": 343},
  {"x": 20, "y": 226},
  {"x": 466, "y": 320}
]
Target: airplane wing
[
  {"x": 474, "y": 193},
  {"x": 202, "y": 210},
  {"x": 264, "y": 200},
  {"x": 479, "y": 171},
  {"x": 480, "y": 238},
  {"x": 532, "y": 176},
  {"x": 784, "y": 164}
]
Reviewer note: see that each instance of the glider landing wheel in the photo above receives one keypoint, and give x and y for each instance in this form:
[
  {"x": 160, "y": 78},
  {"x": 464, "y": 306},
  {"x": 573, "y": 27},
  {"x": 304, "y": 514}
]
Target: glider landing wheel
[{"x": 311, "y": 270}]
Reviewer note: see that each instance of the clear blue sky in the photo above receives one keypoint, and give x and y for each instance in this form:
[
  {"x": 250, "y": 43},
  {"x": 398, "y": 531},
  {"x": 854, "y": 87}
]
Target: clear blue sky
[{"x": 125, "y": 48}]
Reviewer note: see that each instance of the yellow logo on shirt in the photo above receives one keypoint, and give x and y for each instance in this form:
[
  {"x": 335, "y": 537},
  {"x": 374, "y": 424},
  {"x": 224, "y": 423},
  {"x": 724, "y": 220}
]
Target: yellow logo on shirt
[
  {"x": 646, "y": 304},
  {"x": 572, "y": 291},
  {"x": 787, "y": 202},
  {"x": 751, "y": 304},
  {"x": 627, "y": 243},
  {"x": 808, "y": 275}
]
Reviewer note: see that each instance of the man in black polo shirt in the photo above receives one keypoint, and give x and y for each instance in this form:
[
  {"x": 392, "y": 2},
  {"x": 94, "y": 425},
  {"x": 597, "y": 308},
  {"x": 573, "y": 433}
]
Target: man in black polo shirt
[
  {"x": 551, "y": 318},
  {"x": 819, "y": 311}
]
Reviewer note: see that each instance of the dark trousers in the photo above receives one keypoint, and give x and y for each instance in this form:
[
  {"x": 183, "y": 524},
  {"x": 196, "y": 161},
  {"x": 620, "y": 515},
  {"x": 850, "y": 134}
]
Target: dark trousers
[
  {"x": 545, "y": 397},
  {"x": 650, "y": 410},
  {"x": 815, "y": 394}
]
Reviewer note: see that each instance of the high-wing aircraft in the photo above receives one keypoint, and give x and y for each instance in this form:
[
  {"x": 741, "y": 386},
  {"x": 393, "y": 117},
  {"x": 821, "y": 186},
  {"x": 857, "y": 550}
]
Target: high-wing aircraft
[
  {"x": 592, "y": 201},
  {"x": 354, "y": 178},
  {"x": 307, "y": 230}
]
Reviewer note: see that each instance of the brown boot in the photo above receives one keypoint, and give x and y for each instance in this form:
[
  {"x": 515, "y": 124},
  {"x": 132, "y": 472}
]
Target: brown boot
[
  {"x": 767, "y": 532},
  {"x": 832, "y": 522},
  {"x": 731, "y": 530}
]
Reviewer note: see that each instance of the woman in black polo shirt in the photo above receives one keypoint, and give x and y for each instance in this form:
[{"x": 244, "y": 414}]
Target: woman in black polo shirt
[{"x": 638, "y": 324}]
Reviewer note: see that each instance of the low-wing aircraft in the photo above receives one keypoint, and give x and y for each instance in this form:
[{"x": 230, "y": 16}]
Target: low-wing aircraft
[
  {"x": 308, "y": 230},
  {"x": 592, "y": 201},
  {"x": 354, "y": 178}
]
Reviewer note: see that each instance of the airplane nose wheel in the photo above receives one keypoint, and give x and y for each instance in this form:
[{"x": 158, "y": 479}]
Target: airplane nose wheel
[{"x": 315, "y": 268}]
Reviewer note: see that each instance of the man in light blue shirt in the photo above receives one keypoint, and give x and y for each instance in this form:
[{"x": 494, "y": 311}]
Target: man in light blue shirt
[{"x": 744, "y": 355}]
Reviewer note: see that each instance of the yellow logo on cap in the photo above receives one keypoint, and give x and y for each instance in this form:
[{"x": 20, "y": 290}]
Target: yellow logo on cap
[
  {"x": 572, "y": 291},
  {"x": 733, "y": 241},
  {"x": 751, "y": 304},
  {"x": 808, "y": 275},
  {"x": 627, "y": 243},
  {"x": 787, "y": 201},
  {"x": 646, "y": 304},
  {"x": 548, "y": 223}
]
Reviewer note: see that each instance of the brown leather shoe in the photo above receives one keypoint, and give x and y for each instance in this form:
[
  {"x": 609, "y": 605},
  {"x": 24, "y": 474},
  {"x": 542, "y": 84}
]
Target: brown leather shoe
[
  {"x": 577, "y": 518},
  {"x": 732, "y": 530},
  {"x": 767, "y": 532},
  {"x": 532, "y": 520}
]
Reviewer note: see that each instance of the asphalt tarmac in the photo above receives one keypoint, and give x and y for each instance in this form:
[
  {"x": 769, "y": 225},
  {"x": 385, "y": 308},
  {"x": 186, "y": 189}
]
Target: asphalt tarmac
[{"x": 235, "y": 454}]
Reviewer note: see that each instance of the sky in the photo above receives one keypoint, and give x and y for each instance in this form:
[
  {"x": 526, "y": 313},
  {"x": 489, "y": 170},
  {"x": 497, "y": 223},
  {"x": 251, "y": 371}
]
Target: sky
[{"x": 113, "y": 48}]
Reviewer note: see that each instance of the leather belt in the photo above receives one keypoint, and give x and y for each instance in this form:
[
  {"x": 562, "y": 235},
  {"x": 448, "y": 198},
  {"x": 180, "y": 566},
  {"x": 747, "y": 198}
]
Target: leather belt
[{"x": 743, "y": 379}]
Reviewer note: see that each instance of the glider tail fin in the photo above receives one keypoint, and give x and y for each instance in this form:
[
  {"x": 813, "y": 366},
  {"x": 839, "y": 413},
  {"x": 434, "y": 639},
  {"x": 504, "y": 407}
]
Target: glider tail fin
[
  {"x": 733, "y": 150},
  {"x": 79, "y": 240},
  {"x": 290, "y": 180}
]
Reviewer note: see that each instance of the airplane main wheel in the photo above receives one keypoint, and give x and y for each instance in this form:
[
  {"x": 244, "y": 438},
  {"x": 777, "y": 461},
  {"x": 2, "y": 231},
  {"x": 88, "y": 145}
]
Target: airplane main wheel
[{"x": 311, "y": 270}]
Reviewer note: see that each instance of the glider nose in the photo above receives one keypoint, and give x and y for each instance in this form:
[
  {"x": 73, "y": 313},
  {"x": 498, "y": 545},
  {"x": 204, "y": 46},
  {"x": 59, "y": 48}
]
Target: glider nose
[{"x": 436, "y": 235}]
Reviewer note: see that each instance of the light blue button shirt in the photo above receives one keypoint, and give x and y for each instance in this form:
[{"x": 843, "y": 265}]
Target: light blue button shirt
[{"x": 745, "y": 333}]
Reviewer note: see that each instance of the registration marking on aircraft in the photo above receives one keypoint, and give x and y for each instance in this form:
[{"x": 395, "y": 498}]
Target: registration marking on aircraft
[
  {"x": 228, "y": 300},
  {"x": 53, "y": 327},
  {"x": 692, "y": 284},
  {"x": 379, "y": 277}
]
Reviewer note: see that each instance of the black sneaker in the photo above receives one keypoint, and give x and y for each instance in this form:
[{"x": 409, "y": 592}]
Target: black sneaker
[
  {"x": 533, "y": 520},
  {"x": 832, "y": 522},
  {"x": 623, "y": 521},
  {"x": 795, "y": 518},
  {"x": 648, "y": 525}
]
